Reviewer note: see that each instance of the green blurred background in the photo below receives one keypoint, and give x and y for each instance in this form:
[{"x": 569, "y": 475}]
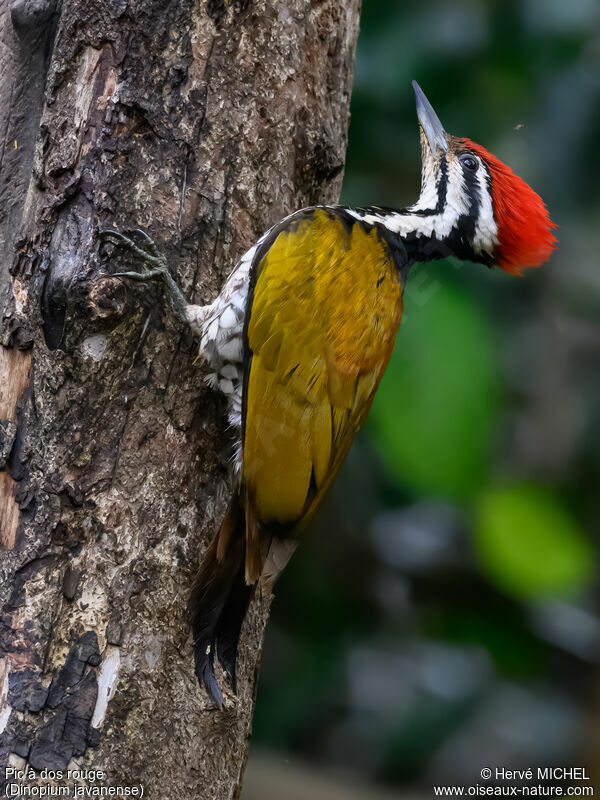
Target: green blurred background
[{"x": 442, "y": 616}]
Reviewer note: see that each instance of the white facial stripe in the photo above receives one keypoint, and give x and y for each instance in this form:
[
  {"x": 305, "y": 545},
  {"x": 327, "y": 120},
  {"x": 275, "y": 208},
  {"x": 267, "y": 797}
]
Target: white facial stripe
[
  {"x": 486, "y": 230},
  {"x": 429, "y": 192}
]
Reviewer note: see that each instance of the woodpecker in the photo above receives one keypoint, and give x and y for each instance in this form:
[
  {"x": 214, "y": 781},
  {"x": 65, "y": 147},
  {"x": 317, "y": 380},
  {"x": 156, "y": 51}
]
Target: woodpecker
[{"x": 299, "y": 338}]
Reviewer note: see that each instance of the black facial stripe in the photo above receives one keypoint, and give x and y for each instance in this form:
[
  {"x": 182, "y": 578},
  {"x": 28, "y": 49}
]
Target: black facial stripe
[
  {"x": 459, "y": 241},
  {"x": 467, "y": 223}
]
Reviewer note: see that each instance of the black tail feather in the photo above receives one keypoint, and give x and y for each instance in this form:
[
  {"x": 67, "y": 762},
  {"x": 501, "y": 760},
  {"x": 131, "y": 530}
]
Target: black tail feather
[
  {"x": 218, "y": 604},
  {"x": 205, "y": 672},
  {"x": 229, "y": 626}
]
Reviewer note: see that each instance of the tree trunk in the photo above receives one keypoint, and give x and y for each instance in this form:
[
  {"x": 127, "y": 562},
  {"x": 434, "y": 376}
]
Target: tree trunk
[{"x": 203, "y": 123}]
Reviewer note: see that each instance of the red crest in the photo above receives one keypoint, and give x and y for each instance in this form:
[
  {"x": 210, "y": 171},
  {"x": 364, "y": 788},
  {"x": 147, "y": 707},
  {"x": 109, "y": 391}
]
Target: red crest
[{"x": 525, "y": 237}]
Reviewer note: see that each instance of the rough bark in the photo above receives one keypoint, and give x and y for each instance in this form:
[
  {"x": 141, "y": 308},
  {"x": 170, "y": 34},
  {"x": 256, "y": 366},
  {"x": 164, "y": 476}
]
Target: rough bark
[{"x": 203, "y": 123}]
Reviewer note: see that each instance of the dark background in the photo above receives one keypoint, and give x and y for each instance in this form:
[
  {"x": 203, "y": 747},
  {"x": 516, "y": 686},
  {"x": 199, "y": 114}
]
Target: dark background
[{"x": 442, "y": 615}]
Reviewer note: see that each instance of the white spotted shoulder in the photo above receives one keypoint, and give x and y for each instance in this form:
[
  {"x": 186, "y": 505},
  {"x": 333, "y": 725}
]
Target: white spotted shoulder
[{"x": 220, "y": 327}]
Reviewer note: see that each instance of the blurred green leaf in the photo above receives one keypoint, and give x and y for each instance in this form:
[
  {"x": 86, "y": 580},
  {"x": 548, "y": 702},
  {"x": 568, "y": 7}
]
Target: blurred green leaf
[
  {"x": 528, "y": 544},
  {"x": 437, "y": 404}
]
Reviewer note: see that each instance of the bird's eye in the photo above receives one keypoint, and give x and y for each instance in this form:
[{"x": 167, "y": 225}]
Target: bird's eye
[{"x": 470, "y": 162}]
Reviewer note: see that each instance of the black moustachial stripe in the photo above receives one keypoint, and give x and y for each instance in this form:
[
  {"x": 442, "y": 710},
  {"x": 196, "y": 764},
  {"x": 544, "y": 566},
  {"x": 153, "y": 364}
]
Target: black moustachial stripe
[
  {"x": 467, "y": 223},
  {"x": 460, "y": 241}
]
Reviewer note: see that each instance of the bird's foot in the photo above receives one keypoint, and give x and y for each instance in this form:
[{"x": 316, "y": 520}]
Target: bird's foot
[{"x": 153, "y": 263}]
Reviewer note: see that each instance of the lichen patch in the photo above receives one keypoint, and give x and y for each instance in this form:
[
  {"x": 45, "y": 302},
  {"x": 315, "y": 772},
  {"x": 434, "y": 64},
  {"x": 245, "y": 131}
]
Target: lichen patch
[
  {"x": 94, "y": 346},
  {"x": 107, "y": 682}
]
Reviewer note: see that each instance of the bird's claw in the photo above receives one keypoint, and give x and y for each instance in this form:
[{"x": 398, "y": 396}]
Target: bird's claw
[
  {"x": 153, "y": 265},
  {"x": 146, "y": 275},
  {"x": 150, "y": 243}
]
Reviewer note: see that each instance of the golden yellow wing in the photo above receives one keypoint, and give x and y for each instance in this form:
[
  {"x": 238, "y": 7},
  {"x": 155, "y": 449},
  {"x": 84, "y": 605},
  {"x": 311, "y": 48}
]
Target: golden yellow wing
[{"x": 324, "y": 314}]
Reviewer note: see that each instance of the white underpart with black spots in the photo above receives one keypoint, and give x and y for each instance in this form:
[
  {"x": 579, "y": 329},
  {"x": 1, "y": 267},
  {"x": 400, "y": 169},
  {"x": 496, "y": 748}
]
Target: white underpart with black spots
[{"x": 220, "y": 327}]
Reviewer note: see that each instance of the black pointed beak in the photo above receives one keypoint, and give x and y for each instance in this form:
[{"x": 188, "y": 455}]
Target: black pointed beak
[{"x": 432, "y": 127}]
